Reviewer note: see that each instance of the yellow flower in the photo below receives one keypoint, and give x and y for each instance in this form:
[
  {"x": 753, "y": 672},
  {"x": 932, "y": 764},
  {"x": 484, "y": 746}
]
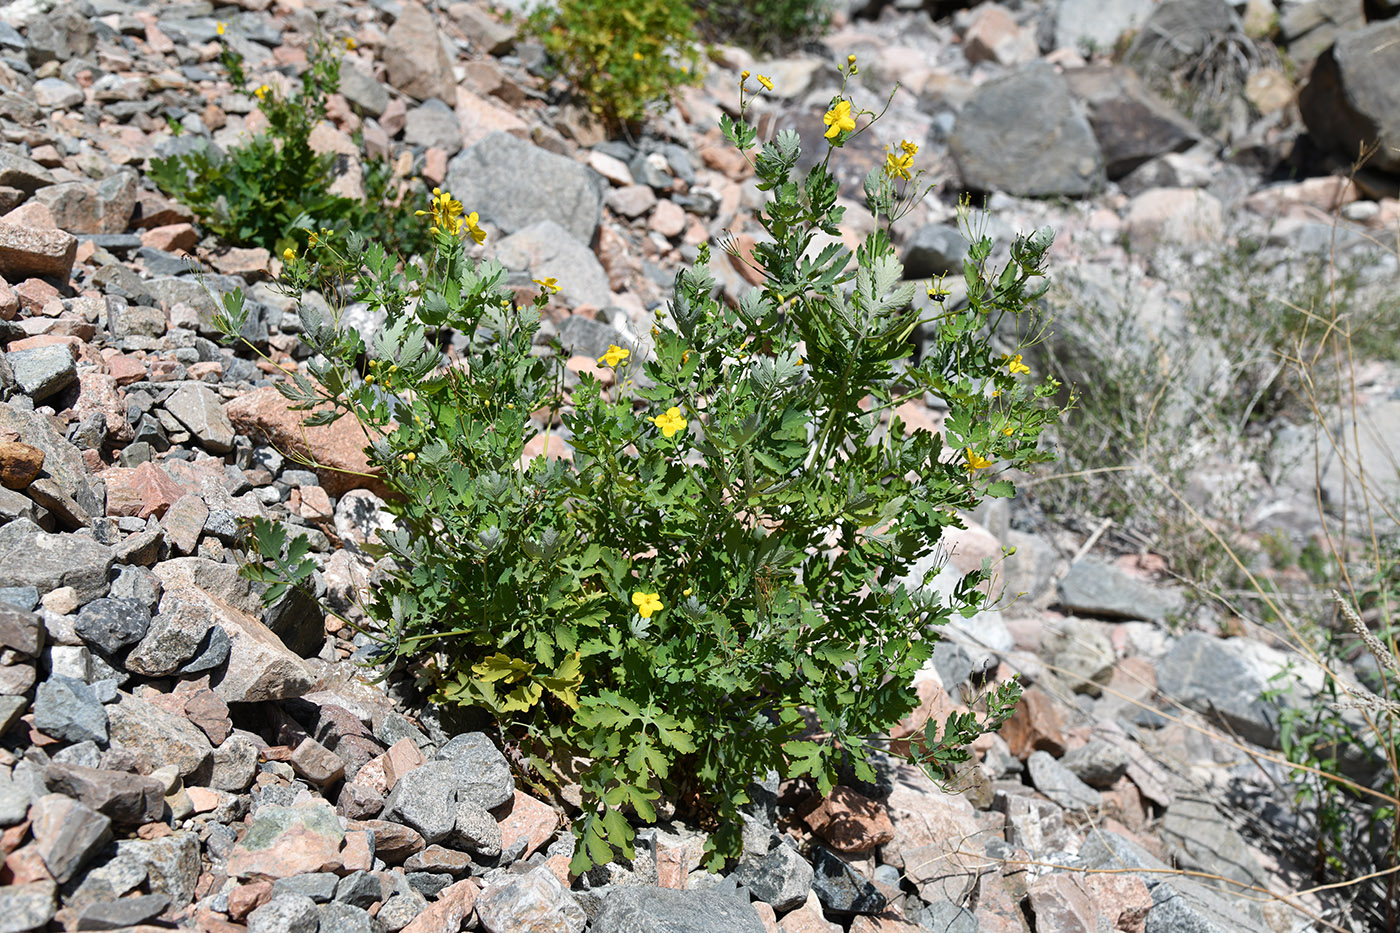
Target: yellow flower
[
  {"x": 351, "y": 44},
  {"x": 838, "y": 119},
  {"x": 445, "y": 212},
  {"x": 646, "y": 603},
  {"x": 636, "y": 56},
  {"x": 851, "y": 67},
  {"x": 743, "y": 76},
  {"x": 897, "y": 166},
  {"x": 669, "y": 423},
  {"x": 766, "y": 81},
  {"x": 549, "y": 285},
  {"x": 261, "y": 92},
  {"x": 220, "y": 27},
  {"x": 909, "y": 148},
  {"x": 369, "y": 380},
  {"x": 289, "y": 254},
  {"x": 614, "y": 355},
  {"x": 1014, "y": 364},
  {"x": 475, "y": 232},
  {"x": 976, "y": 461},
  {"x": 312, "y": 239},
  {"x": 687, "y": 591},
  {"x": 1008, "y": 430}
]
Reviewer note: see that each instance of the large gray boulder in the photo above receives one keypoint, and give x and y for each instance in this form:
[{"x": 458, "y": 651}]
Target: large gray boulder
[
  {"x": 1025, "y": 134},
  {"x": 514, "y": 184},
  {"x": 1353, "y": 97},
  {"x": 1131, "y": 123}
]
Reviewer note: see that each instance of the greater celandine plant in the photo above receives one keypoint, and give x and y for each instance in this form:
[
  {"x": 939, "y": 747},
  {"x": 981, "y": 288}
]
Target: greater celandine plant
[{"x": 713, "y": 586}]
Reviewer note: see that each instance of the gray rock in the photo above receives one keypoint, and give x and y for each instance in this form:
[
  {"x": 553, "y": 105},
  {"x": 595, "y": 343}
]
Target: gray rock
[
  {"x": 113, "y": 623},
  {"x": 482, "y": 772},
  {"x": 359, "y": 889},
  {"x": 400, "y": 910},
  {"x": 43, "y": 371},
  {"x": 482, "y": 30},
  {"x": 1084, "y": 653},
  {"x": 1025, "y": 134},
  {"x": 947, "y": 917},
  {"x": 342, "y": 918},
  {"x": 433, "y": 123},
  {"x": 11, "y": 708},
  {"x": 417, "y": 62},
  {"x": 122, "y": 913},
  {"x": 1214, "y": 678},
  {"x": 935, "y": 249},
  {"x": 318, "y": 885},
  {"x": 28, "y": 176},
  {"x": 1131, "y": 124},
  {"x": 174, "y": 637},
  {"x": 425, "y": 799},
  {"x": 476, "y": 830},
  {"x": 1179, "y": 32},
  {"x": 67, "y": 833},
  {"x": 1098, "y": 763},
  {"x": 289, "y": 913},
  {"x": 1058, "y": 783},
  {"x": 128, "y": 799},
  {"x": 1082, "y": 25},
  {"x": 1093, "y": 587},
  {"x": 198, "y": 408},
  {"x": 69, "y": 710},
  {"x": 581, "y": 334},
  {"x": 28, "y": 906},
  {"x": 534, "y": 901},
  {"x": 514, "y": 184},
  {"x": 547, "y": 249},
  {"x": 427, "y": 883},
  {"x": 107, "y": 881},
  {"x": 62, "y": 461},
  {"x": 21, "y": 630},
  {"x": 1351, "y": 98},
  {"x": 663, "y": 910},
  {"x": 59, "y": 35},
  {"x": 361, "y": 90},
  {"x": 1201, "y": 838},
  {"x": 14, "y": 803},
  {"x": 172, "y": 864},
  {"x": 235, "y": 764},
  {"x": 157, "y": 737},
  {"x": 30, "y": 556},
  {"x": 781, "y": 878},
  {"x": 840, "y": 888}
]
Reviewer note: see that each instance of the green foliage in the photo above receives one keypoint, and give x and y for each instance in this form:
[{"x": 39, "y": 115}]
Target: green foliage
[
  {"x": 274, "y": 190},
  {"x": 763, "y": 25},
  {"x": 625, "y": 57},
  {"x": 716, "y": 585}
]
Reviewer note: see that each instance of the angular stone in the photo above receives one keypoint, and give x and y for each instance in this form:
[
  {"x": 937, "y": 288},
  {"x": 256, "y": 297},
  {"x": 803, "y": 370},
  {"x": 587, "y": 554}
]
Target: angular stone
[
  {"x": 235, "y": 763},
  {"x": 174, "y": 637},
  {"x": 26, "y": 251},
  {"x": 81, "y": 207},
  {"x": 184, "y": 523},
  {"x": 475, "y": 830},
  {"x": 1351, "y": 101},
  {"x": 112, "y": 624},
  {"x": 1035, "y": 726},
  {"x": 129, "y": 799},
  {"x": 62, "y": 461},
  {"x": 21, "y": 630},
  {"x": 290, "y": 913},
  {"x": 286, "y": 841},
  {"x": 32, "y": 557},
  {"x": 123, "y": 913},
  {"x": 157, "y": 737},
  {"x": 263, "y": 414},
  {"x": 172, "y": 864},
  {"x": 1213, "y": 677},
  {"x": 545, "y": 249},
  {"x": 841, "y": 888},
  {"x": 534, "y": 900},
  {"x": 528, "y": 820},
  {"x": 43, "y": 371},
  {"x": 342, "y": 918},
  {"x": 781, "y": 878},
  {"x": 514, "y": 184},
  {"x": 438, "y": 859},
  {"x": 663, "y": 910},
  {"x": 850, "y": 822},
  {"x": 67, "y": 834},
  {"x": 69, "y": 710},
  {"x": 433, "y": 123},
  {"x": 392, "y": 841},
  {"x": 1172, "y": 216},
  {"x": 426, "y": 800},
  {"x": 28, "y": 906},
  {"x": 19, "y": 464},
  {"x": 1058, "y": 783},
  {"x": 1202, "y": 839},
  {"x": 483, "y": 774},
  {"x": 1060, "y": 902},
  {"x": 198, "y": 408},
  {"x": 142, "y": 492},
  {"x": 316, "y": 763},
  {"x": 1098, "y": 764},
  {"x": 319, "y": 886},
  {"x": 1053, "y": 151},
  {"x": 417, "y": 63},
  {"x": 1131, "y": 123},
  {"x": 453, "y": 906},
  {"x": 25, "y": 174}
]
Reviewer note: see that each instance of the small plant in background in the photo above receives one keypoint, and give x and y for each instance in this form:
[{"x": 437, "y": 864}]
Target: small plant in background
[
  {"x": 715, "y": 585},
  {"x": 625, "y": 57},
  {"x": 269, "y": 191},
  {"x": 767, "y": 26}
]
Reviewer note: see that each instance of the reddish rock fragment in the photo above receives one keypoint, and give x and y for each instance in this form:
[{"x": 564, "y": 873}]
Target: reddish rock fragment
[{"x": 850, "y": 821}]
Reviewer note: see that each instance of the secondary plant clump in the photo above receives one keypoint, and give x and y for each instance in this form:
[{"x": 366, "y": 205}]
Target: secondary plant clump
[{"x": 717, "y": 584}]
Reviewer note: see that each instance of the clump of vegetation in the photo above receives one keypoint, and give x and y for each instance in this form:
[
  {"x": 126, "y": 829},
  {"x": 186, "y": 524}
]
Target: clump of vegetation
[
  {"x": 624, "y": 57},
  {"x": 275, "y": 190},
  {"x": 766, "y": 26},
  {"x": 716, "y": 584}
]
